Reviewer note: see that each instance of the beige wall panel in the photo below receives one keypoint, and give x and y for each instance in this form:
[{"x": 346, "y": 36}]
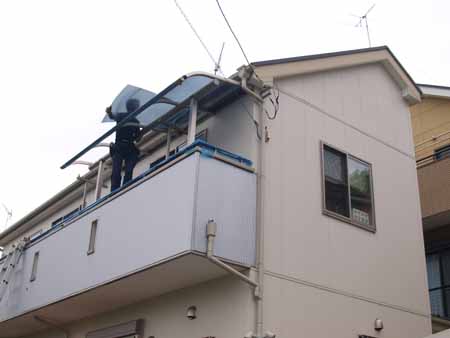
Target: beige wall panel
[
  {"x": 302, "y": 311},
  {"x": 430, "y": 118},
  {"x": 224, "y": 309},
  {"x": 434, "y": 183},
  {"x": 387, "y": 266},
  {"x": 365, "y": 97}
]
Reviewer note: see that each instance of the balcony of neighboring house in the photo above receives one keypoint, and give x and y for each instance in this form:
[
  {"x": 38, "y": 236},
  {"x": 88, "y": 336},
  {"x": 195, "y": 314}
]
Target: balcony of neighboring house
[
  {"x": 433, "y": 173},
  {"x": 148, "y": 237},
  {"x": 434, "y": 184}
]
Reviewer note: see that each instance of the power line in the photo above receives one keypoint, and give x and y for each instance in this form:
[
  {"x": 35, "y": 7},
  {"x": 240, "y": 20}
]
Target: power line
[
  {"x": 232, "y": 32},
  {"x": 216, "y": 64}
]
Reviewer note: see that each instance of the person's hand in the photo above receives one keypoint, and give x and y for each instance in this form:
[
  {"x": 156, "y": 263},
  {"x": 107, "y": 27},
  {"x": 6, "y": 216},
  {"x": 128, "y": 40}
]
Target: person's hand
[{"x": 108, "y": 111}]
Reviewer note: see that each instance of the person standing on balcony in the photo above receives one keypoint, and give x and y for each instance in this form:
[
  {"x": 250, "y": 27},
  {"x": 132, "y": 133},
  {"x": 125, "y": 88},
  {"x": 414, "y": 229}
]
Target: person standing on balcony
[{"x": 124, "y": 150}]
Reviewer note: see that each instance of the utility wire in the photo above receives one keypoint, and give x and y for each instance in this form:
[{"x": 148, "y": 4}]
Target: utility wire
[
  {"x": 237, "y": 40},
  {"x": 232, "y": 32},
  {"x": 275, "y": 101},
  {"x": 216, "y": 64}
]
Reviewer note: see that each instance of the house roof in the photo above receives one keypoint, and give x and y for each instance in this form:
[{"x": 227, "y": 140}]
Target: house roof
[
  {"x": 434, "y": 91},
  {"x": 279, "y": 68}
]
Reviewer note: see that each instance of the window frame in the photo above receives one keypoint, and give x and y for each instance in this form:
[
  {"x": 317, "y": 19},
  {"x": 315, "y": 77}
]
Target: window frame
[
  {"x": 442, "y": 153},
  {"x": 443, "y": 286},
  {"x": 371, "y": 227}
]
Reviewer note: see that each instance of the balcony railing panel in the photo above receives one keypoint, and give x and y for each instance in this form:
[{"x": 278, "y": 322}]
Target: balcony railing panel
[
  {"x": 150, "y": 223},
  {"x": 434, "y": 186}
]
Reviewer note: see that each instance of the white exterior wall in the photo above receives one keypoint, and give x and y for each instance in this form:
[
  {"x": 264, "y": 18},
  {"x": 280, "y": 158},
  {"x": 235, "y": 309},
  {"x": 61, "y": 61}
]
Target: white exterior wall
[
  {"x": 322, "y": 276},
  {"x": 223, "y": 310},
  {"x": 320, "y": 269}
]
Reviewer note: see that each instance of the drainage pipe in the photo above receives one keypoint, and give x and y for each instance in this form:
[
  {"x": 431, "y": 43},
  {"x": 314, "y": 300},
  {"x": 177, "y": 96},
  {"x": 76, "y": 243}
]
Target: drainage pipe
[
  {"x": 259, "y": 292},
  {"x": 211, "y": 229}
]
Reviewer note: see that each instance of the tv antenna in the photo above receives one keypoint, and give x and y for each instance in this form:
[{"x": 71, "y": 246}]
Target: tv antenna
[
  {"x": 8, "y": 214},
  {"x": 364, "y": 18},
  {"x": 216, "y": 64},
  {"x": 217, "y": 67}
]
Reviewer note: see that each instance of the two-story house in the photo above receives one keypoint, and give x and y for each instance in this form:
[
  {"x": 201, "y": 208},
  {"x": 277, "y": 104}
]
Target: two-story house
[
  {"x": 280, "y": 201},
  {"x": 431, "y": 128}
]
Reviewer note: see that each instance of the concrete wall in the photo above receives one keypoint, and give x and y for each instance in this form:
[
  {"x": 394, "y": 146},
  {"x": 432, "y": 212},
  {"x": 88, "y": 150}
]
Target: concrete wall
[{"x": 321, "y": 267}]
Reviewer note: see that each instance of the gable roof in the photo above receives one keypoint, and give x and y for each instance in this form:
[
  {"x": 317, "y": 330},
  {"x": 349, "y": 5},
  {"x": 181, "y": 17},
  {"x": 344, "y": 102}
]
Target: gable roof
[{"x": 279, "y": 68}]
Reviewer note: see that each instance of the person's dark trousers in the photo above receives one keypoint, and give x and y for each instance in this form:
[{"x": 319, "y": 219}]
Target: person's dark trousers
[
  {"x": 130, "y": 162},
  {"x": 116, "y": 175},
  {"x": 127, "y": 155}
]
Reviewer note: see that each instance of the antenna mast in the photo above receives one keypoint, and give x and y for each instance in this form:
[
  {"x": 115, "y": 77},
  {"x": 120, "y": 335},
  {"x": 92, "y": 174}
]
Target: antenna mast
[
  {"x": 364, "y": 17},
  {"x": 8, "y": 214},
  {"x": 217, "y": 67}
]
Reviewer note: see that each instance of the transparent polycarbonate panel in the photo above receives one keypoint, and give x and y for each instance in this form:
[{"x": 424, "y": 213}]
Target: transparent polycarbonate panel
[
  {"x": 174, "y": 94},
  {"x": 142, "y": 96},
  {"x": 188, "y": 87},
  {"x": 119, "y": 105}
]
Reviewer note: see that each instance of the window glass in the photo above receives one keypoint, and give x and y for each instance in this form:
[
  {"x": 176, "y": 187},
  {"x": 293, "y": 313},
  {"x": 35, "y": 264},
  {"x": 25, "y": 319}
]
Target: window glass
[
  {"x": 436, "y": 303},
  {"x": 445, "y": 264},
  {"x": 360, "y": 191},
  {"x": 348, "y": 187},
  {"x": 433, "y": 271},
  {"x": 442, "y": 153},
  {"x": 336, "y": 186}
]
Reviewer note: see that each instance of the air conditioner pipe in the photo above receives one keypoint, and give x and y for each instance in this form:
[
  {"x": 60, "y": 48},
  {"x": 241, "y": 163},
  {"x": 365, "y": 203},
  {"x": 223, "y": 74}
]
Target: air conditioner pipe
[{"x": 211, "y": 230}]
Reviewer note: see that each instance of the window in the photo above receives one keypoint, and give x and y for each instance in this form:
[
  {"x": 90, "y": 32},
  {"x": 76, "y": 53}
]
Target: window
[
  {"x": 442, "y": 152},
  {"x": 65, "y": 217},
  {"x": 438, "y": 272},
  {"x": 35, "y": 235},
  {"x": 347, "y": 183},
  {"x": 203, "y": 135}
]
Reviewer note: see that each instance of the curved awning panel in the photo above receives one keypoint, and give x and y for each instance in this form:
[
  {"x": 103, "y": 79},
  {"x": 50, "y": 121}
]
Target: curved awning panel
[{"x": 169, "y": 106}]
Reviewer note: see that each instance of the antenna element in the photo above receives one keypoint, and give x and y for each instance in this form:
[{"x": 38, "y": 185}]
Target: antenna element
[{"x": 364, "y": 17}]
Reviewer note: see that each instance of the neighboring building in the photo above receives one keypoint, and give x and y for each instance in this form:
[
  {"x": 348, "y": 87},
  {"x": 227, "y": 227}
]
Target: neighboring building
[
  {"x": 315, "y": 200},
  {"x": 431, "y": 127}
]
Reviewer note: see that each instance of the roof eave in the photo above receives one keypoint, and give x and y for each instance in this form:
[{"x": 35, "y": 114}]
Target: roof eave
[{"x": 279, "y": 68}]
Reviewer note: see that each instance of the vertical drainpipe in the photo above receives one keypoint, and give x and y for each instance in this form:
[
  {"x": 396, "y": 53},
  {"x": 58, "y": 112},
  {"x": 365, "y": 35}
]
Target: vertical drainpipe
[{"x": 259, "y": 292}]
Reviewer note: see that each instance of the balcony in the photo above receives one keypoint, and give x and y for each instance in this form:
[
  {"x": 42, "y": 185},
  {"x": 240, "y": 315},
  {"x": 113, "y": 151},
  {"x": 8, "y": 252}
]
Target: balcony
[
  {"x": 149, "y": 240},
  {"x": 434, "y": 184}
]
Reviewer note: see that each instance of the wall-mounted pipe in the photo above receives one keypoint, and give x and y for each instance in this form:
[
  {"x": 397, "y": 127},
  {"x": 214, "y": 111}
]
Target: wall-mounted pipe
[{"x": 211, "y": 230}]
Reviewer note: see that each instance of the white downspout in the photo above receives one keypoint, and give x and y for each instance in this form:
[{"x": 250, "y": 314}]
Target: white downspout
[{"x": 259, "y": 292}]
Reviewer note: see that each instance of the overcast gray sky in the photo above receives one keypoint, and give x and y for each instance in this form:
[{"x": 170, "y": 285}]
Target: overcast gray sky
[{"x": 62, "y": 62}]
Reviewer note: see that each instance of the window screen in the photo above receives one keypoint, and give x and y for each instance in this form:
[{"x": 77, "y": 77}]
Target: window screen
[
  {"x": 336, "y": 186},
  {"x": 348, "y": 188}
]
